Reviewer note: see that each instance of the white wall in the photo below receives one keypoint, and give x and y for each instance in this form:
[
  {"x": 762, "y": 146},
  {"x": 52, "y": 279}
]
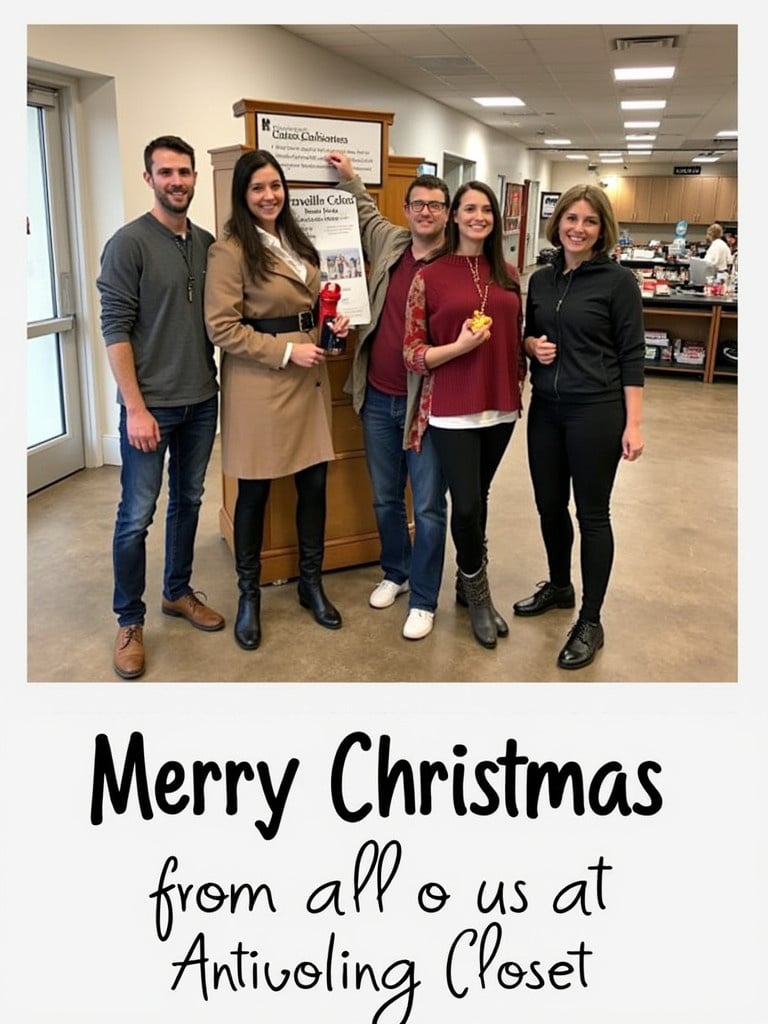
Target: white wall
[{"x": 135, "y": 82}]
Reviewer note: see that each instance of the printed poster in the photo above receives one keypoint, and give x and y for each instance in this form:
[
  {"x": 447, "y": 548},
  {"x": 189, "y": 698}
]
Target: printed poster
[{"x": 329, "y": 217}]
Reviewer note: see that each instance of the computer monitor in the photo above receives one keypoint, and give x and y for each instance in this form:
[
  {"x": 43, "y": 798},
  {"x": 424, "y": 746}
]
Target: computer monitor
[{"x": 698, "y": 271}]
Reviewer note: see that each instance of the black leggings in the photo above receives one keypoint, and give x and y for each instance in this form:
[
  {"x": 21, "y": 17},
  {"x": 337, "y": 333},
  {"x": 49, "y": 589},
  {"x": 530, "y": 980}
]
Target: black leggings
[
  {"x": 469, "y": 460},
  {"x": 579, "y": 444},
  {"x": 251, "y": 504}
]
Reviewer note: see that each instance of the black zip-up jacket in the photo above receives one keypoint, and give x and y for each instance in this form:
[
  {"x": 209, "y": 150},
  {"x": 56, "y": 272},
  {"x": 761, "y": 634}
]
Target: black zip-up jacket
[{"x": 595, "y": 317}]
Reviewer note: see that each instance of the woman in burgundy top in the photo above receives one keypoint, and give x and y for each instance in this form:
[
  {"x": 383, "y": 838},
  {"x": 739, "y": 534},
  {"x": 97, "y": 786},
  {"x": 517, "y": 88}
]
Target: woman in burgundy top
[{"x": 463, "y": 332}]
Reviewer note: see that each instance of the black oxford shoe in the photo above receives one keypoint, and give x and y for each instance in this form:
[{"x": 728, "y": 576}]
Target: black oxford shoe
[
  {"x": 584, "y": 641},
  {"x": 546, "y": 597}
]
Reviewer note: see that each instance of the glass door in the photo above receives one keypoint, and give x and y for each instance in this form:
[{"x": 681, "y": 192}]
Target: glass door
[{"x": 54, "y": 421}]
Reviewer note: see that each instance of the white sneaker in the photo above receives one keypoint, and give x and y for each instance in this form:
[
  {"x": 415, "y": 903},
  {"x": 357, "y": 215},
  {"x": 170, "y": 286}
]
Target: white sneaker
[
  {"x": 418, "y": 624},
  {"x": 384, "y": 595}
]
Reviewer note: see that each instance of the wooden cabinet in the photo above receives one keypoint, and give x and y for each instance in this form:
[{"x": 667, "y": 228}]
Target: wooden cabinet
[
  {"x": 351, "y": 536},
  {"x": 727, "y": 200},
  {"x": 391, "y": 200},
  {"x": 703, "y": 324},
  {"x": 721, "y": 364},
  {"x": 631, "y": 199},
  {"x": 667, "y": 199},
  {"x": 699, "y": 195}
]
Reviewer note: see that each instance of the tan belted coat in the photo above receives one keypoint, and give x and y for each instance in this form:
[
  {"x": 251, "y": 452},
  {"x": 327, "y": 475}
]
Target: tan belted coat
[{"x": 274, "y": 421}]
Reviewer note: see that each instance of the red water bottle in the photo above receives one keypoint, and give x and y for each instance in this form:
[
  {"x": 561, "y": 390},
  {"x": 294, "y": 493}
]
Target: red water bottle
[{"x": 329, "y": 297}]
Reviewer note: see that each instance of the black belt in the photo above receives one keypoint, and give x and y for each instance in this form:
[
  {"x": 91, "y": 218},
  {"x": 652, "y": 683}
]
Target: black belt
[{"x": 303, "y": 321}]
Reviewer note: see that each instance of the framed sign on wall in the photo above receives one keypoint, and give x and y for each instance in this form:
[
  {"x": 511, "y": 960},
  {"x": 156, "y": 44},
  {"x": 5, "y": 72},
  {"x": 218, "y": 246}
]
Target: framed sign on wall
[
  {"x": 548, "y": 204},
  {"x": 512, "y": 205}
]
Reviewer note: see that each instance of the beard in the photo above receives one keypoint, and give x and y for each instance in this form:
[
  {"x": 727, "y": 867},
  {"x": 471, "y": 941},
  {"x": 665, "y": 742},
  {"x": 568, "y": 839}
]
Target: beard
[{"x": 168, "y": 203}]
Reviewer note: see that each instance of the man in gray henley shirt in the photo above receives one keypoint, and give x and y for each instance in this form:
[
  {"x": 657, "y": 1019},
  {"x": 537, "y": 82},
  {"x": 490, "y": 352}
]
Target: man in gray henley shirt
[{"x": 151, "y": 286}]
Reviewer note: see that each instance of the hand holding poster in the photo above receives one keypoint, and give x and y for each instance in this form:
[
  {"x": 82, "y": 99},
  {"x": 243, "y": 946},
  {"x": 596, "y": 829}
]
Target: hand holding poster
[{"x": 329, "y": 217}]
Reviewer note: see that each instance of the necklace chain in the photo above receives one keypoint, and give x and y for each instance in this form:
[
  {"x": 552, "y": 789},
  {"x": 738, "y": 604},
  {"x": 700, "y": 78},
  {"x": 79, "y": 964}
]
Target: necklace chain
[
  {"x": 475, "y": 271},
  {"x": 182, "y": 241}
]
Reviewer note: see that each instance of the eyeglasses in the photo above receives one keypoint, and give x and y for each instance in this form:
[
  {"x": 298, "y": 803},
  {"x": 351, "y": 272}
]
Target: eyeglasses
[{"x": 417, "y": 205}]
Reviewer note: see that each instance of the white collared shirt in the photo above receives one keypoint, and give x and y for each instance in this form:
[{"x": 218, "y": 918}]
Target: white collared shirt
[{"x": 291, "y": 258}]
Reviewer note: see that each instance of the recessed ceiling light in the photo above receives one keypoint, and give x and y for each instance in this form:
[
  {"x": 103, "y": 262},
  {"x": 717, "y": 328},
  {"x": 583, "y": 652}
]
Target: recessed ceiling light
[
  {"x": 558, "y": 142},
  {"x": 641, "y": 74},
  {"x": 576, "y": 156},
  {"x": 705, "y": 159},
  {"x": 642, "y": 124},
  {"x": 638, "y": 147},
  {"x": 613, "y": 160},
  {"x": 643, "y": 104},
  {"x": 727, "y": 135},
  {"x": 499, "y": 101},
  {"x": 640, "y": 138},
  {"x": 614, "y": 153}
]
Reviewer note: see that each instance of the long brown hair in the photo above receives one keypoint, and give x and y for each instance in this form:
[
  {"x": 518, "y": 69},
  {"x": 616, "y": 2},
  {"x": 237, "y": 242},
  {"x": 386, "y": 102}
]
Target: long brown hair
[
  {"x": 241, "y": 223},
  {"x": 492, "y": 244}
]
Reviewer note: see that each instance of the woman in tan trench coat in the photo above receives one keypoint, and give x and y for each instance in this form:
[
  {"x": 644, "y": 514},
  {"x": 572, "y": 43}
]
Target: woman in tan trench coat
[{"x": 261, "y": 289}]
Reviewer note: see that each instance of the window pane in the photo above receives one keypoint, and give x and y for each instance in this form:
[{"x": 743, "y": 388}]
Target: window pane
[
  {"x": 45, "y": 403},
  {"x": 40, "y": 290}
]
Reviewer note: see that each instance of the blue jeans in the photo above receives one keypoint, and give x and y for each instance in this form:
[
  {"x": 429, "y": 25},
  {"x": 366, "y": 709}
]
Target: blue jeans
[
  {"x": 389, "y": 467},
  {"x": 187, "y": 433}
]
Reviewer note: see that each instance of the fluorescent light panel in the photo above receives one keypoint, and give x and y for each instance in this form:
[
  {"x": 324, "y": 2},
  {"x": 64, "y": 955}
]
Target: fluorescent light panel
[
  {"x": 643, "y": 104},
  {"x": 642, "y": 74},
  {"x": 558, "y": 142},
  {"x": 640, "y": 138},
  {"x": 705, "y": 159},
  {"x": 727, "y": 135},
  {"x": 576, "y": 156},
  {"x": 642, "y": 124},
  {"x": 499, "y": 101}
]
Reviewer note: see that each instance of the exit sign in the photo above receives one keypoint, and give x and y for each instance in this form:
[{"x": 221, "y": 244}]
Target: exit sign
[{"x": 687, "y": 170}]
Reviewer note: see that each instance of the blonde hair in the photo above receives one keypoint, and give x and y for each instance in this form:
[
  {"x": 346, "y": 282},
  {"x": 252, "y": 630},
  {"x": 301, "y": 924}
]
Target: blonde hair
[
  {"x": 600, "y": 203},
  {"x": 715, "y": 230}
]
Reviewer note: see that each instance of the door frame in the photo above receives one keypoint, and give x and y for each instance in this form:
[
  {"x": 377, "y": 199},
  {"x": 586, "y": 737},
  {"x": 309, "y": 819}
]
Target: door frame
[{"x": 71, "y": 287}]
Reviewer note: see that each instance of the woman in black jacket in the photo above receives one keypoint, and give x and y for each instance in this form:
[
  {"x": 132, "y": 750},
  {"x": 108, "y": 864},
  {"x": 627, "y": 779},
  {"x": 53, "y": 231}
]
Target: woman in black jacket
[{"x": 585, "y": 341}]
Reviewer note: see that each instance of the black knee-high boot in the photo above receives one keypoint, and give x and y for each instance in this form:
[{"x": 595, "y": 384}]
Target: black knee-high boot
[
  {"x": 248, "y": 531},
  {"x": 310, "y": 527}
]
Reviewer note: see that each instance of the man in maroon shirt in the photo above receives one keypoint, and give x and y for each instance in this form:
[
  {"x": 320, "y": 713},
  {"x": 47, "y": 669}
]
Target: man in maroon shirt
[{"x": 385, "y": 395}]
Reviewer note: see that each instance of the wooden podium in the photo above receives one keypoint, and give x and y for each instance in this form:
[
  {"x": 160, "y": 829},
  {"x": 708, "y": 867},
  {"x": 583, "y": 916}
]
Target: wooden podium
[{"x": 351, "y": 537}]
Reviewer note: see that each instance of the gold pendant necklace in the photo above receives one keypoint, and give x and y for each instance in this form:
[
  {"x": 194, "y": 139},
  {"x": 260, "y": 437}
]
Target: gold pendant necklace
[
  {"x": 479, "y": 318},
  {"x": 481, "y": 292}
]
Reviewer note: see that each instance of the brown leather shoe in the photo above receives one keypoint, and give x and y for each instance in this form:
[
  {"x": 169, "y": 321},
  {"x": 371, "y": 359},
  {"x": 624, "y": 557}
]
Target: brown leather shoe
[
  {"x": 129, "y": 651},
  {"x": 191, "y": 608}
]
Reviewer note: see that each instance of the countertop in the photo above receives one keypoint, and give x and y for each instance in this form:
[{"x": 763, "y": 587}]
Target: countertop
[{"x": 692, "y": 300}]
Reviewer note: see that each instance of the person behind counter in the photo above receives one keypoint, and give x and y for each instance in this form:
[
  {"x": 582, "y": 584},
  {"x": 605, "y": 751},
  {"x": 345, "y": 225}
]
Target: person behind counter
[
  {"x": 262, "y": 284},
  {"x": 584, "y": 336},
  {"x": 463, "y": 333},
  {"x": 718, "y": 253}
]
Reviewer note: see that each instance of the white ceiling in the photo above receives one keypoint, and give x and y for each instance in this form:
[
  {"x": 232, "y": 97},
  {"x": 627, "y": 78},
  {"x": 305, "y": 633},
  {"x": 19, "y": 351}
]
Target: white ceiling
[{"x": 564, "y": 75}]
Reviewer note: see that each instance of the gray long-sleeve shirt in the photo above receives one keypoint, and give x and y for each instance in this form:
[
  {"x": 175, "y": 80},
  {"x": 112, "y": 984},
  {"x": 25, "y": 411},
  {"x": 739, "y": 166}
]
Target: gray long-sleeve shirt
[{"x": 146, "y": 281}]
